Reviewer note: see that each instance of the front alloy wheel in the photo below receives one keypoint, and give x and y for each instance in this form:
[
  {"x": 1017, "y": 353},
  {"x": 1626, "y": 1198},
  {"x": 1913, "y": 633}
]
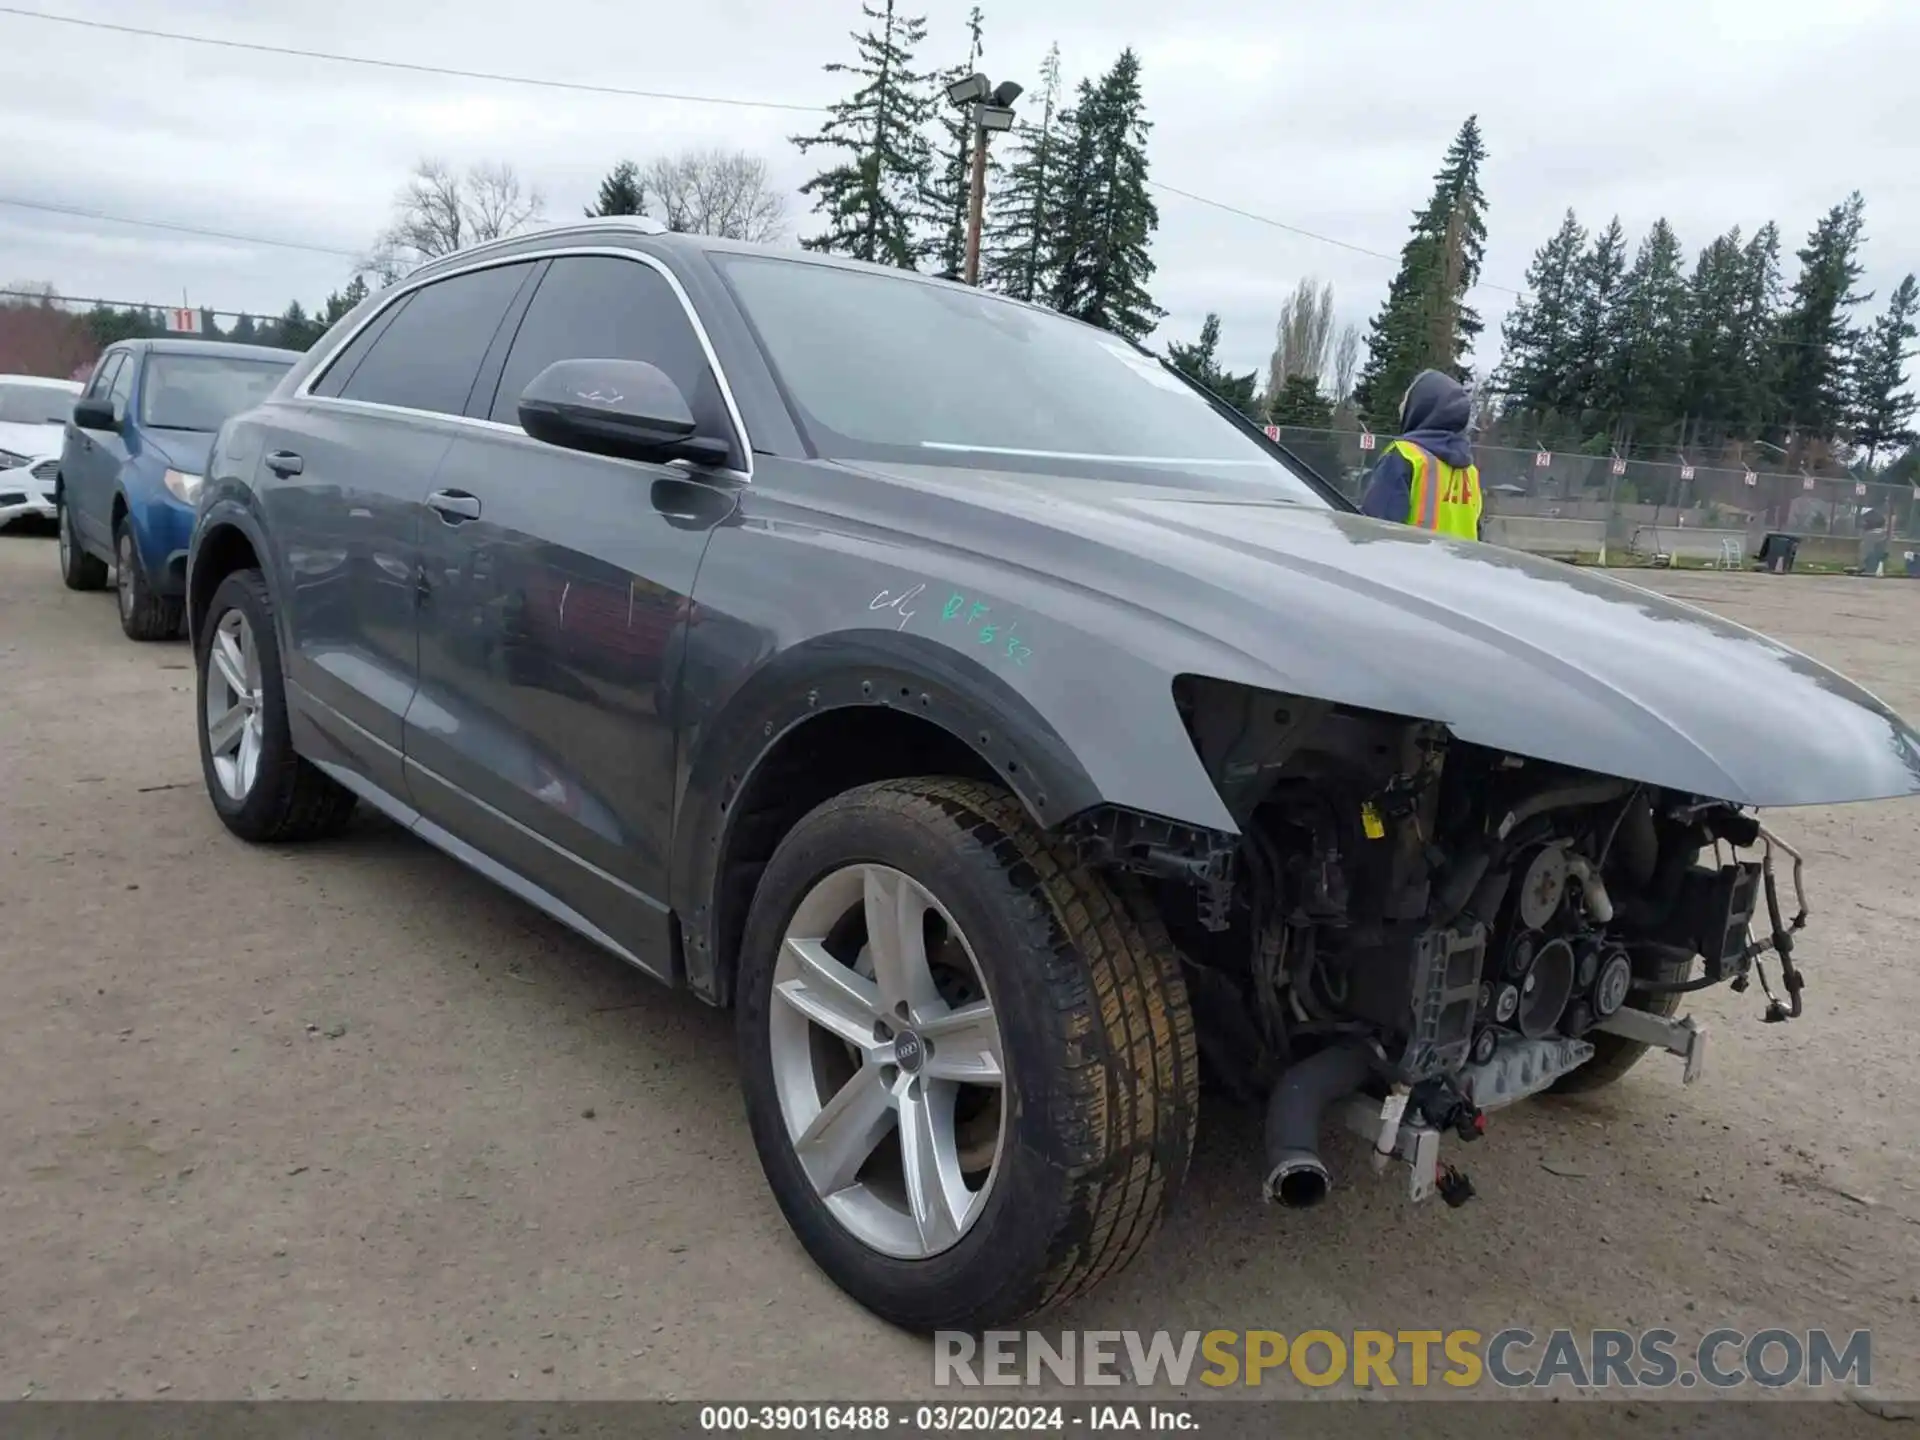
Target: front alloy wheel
[
  {"x": 887, "y": 1061},
  {"x": 233, "y": 715},
  {"x": 968, "y": 1059}
]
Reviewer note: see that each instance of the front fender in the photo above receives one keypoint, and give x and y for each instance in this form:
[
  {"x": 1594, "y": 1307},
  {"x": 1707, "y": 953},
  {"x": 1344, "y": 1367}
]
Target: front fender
[{"x": 848, "y": 671}]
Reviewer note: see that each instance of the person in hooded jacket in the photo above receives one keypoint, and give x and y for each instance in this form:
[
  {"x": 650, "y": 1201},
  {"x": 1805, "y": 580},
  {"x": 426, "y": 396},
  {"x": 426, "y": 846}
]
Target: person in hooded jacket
[{"x": 1427, "y": 477}]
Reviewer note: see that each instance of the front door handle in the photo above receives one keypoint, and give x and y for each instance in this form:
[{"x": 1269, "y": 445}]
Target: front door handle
[
  {"x": 284, "y": 463},
  {"x": 453, "y": 506}
]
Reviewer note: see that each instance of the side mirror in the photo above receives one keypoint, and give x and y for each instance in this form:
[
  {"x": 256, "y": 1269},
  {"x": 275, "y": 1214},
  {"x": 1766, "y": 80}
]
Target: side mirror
[
  {"x": 624, "y": 408},
  {"x": 94, "y": 412}
]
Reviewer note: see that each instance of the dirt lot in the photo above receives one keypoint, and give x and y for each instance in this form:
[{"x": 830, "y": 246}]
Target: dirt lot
[{"x": 347, "y": 1121}]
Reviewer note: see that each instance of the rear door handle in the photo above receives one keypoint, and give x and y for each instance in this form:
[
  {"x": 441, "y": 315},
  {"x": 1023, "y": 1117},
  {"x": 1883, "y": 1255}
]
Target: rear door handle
[
  {"x": 284, "y": 463},
  {"x": 453, "y": 506}
]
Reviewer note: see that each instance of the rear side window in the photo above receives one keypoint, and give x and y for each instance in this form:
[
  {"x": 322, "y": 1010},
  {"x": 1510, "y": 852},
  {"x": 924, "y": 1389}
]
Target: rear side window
[
  {"x": 426, "y": 359},
  {"x": 599, "y": 307}
]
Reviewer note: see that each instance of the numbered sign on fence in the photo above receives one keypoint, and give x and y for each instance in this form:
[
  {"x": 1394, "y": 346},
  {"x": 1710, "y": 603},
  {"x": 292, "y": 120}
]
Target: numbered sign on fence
[
  {"x": 1273, "y": 431},
  {"x": 1859, "y": 488},
  {"x": 1807, "y": 484},
  {"x": 1619, "y": 467},
  {"x": 1751, "y": 478},
  {"x": 1542, "y": 459},
  {"x": 1366, "y": 439},
  {"x": 184, "y": 321},
  {"x": 1686, "y": 472}
]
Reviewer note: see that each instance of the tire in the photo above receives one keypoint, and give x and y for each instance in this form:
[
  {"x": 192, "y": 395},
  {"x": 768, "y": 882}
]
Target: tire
[
  {"x": 78, "y": 569},
  {"x": 285, "y": 798},
  {"x": 1100, "y": 1074},
  {"x": 143, "y": 614},
  {"x": 1615, "y": 1055}
]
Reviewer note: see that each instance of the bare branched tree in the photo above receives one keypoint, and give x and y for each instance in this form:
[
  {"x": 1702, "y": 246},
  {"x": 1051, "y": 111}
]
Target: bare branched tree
[
  {"x": 1346, "y": 363},
  {"x": 1303, "y": 336},
  {"x": 439, "y": 211},
  {"x": 716, "y": 192}
]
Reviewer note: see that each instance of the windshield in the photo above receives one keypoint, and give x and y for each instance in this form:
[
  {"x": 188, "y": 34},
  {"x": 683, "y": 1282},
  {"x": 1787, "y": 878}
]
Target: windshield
[
  {"x": 199, "y": 392},
  {"x": 905, "y": 371},
  {"x": 36, "y": 404}
]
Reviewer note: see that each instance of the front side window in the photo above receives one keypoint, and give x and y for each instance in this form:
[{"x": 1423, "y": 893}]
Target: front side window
[
  {"x": 34, "y": 405},
  {"x": 909, "y": 371},
  {"x": 122, "y": 390},
  {"x": 600, "y": 307},
  {"x": 103, "y": 373},
  {"x": 427, "y": 358},
  {"x": 199, "y": 392}
]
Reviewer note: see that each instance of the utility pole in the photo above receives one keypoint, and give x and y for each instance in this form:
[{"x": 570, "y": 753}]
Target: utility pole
[{"x": 992, "y": 110}]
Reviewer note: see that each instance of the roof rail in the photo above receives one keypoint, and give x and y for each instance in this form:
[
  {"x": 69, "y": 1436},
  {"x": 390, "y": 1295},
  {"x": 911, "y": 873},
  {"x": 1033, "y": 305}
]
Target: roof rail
[{"x": 642, "y": 224}]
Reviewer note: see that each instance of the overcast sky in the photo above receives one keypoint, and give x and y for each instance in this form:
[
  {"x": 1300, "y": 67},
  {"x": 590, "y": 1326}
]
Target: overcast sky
[{"x": 1328, "y": 116}]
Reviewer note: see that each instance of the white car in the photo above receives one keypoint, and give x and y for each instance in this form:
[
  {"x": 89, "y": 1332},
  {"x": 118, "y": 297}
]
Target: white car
[{"x": 33, "y": 419}]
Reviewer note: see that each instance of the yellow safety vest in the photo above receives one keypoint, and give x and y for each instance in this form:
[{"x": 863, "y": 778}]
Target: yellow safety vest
[{"x": 1442, "y": 498}]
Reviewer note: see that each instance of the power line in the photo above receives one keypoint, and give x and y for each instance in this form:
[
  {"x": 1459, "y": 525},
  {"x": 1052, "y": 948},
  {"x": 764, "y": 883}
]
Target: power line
[
  {"x": 737, "y": 102},
  {"x": 407, "y": 65},
  {"x": 51, "y": 209}
]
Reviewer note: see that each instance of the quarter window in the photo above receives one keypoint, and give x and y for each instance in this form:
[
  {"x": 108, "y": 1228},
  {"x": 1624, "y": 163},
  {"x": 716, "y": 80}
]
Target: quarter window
[{"x": 428, "y": 356}]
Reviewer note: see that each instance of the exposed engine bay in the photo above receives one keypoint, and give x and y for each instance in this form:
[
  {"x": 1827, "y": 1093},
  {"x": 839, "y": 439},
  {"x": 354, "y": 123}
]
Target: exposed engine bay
[{"x": 1410, "y": 932}]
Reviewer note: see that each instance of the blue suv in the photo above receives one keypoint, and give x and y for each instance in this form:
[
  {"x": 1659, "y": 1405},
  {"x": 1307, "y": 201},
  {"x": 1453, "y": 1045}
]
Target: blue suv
[{"x": 130, "y": 470}]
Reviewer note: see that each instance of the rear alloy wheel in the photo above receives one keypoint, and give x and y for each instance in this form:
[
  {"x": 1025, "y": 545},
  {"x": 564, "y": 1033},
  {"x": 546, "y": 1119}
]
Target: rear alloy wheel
[
  {"x": 143, "y": 614},
  {"x": 969, "y": 1068},
  {"x": 78, "y": 569},
  {"x": 262, "y": 789}
]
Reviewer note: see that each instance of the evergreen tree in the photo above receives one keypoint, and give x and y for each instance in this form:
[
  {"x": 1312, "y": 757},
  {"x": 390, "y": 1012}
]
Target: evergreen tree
[
  {"x": 1717, "y": 347},
  {"x": 1591, "y": 390},
  {"x": 1017, "y": 247},
  {"x": 871, "y": 199},
  {"x": 244, "y": 332},
  {"x": 622, "y": 192},
  {"x": 1426, "y": 322},
  {"x": 209, "y": 325},
  {"x": 1650, "y": 364},
  {"x": 1758, "y": 324},
  {"x": 1201, "y": 364},
  {"x": 1098, "y": 253},
  {"x": 951, "y": 185},
  {"x": 1882, "y": 407},
  {"x": 1301, "y": 404},
  {"x": 1816, "y": 338},
  {"x": 341, "y": 302},
  {"x": 296, "y": 330},
  {"x": 1539, "y": 363}
]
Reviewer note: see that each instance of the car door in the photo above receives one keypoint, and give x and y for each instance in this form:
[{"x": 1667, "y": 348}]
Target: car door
[
  {"x": 344, "y": 470},
  {"x": 94, "y": 457},
  {"x": 543, "y": 730}
]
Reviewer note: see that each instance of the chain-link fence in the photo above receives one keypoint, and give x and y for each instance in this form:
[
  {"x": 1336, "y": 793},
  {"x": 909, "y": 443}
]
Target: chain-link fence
[{"x": 1646, "y": 509}]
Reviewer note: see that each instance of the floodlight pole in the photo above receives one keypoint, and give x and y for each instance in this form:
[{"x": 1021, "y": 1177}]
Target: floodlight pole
[{"x": 976, "y": 202}]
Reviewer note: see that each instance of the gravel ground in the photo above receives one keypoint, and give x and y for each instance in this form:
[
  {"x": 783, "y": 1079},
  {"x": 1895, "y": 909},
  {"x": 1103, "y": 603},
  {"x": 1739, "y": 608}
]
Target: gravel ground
[{"x": 346, "y": 1121}]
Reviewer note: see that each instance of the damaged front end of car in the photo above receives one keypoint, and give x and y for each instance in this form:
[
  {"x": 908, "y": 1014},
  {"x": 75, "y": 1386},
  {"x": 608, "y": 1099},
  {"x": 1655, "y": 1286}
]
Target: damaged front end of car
[{"x": 1411, "y": 931}]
